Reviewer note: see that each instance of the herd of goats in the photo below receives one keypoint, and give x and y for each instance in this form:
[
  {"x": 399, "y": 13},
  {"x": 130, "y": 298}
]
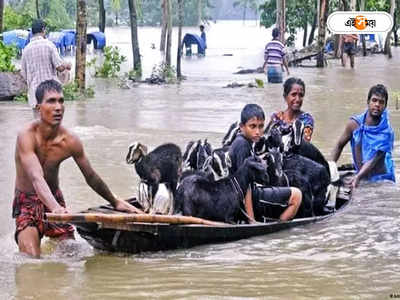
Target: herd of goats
[{"x": 198, "y": 183}]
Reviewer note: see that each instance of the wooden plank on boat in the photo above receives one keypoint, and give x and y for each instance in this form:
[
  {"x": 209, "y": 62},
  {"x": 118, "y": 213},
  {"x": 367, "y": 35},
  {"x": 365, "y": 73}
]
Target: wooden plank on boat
[{"x": 127, "y": 218}]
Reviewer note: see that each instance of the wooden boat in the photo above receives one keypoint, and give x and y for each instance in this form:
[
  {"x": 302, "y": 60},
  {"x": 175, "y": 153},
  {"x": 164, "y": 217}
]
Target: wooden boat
[{"x": 106, "y": 229}]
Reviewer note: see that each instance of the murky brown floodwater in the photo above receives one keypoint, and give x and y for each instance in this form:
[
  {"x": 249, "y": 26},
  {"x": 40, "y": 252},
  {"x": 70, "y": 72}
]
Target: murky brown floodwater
[{"x": 354, "y": 255}]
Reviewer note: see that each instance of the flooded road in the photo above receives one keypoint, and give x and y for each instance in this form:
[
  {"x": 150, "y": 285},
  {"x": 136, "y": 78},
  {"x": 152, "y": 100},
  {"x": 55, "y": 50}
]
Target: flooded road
[{"x": 355, "y": 255}]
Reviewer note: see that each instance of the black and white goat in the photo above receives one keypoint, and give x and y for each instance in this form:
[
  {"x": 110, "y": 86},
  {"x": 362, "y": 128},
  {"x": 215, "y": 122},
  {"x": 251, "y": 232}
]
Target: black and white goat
[
  {"x": 162, "y": 165},
  {"x": 200, "y": 157},
  {"x": 219, "y": 201}
]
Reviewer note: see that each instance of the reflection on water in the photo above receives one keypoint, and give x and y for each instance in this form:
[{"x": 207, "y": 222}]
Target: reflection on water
[{"x": 353, "y": 255}]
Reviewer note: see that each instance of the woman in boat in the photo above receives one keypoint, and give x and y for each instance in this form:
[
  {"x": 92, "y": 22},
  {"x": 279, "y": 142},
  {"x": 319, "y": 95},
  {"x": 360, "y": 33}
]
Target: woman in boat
[{"x": 293, "y": 91}]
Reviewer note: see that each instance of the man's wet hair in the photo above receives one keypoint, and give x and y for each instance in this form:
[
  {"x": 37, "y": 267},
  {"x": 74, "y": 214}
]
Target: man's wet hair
[
  {"x": 379, "y": 90},
  {"x": 46, "y": 86},
  {"x": 202, "y": 27},
  {"x": 251, "y": 111},
  {"x": 275, "y": 33},
  {"x": 38, "y": 26},
  {"x": 287, "y": 86}
]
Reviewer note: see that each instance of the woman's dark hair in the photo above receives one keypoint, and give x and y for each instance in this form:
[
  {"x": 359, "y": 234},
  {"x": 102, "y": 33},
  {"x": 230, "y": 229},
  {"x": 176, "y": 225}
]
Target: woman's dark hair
[
  {"x": 379, "y": 90},
  {"x": 275, "y": 33},
  {"x": 287, "y": 86},
  {"x": 45, "y": 86},
  {"x": 251, "y": 111}
]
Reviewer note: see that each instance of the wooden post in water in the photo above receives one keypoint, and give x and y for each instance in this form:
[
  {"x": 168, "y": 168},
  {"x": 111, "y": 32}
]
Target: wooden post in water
[
  {"x": 169, "y": 34},
  {"x": 137, "y": 64},
  {"x": 280, "y": 18},
  {"x": 102, "y": 16},
  {"x": 323, "y": 16},
  {"x": 81, "y": 40},
  {"x": 179, "y": 52},
  {"x": 163, "y": 24},
  {"x": 388, "y": 49}
]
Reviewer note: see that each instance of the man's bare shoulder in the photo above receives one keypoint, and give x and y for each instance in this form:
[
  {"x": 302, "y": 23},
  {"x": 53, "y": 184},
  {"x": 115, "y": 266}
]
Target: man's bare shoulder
[{"x": 351, "y": 125}]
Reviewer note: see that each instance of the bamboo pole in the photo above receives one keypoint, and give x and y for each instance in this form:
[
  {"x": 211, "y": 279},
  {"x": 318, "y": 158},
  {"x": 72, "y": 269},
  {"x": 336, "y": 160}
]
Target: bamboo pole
[{"x": 126, "y": 218}]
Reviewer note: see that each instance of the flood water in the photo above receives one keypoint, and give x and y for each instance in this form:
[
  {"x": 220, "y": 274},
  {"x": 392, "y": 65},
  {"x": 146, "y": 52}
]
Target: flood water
[{"x": 354, "y": 255}]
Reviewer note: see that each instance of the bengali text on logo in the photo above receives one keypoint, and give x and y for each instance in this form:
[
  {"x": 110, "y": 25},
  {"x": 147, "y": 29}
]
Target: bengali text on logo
[{"x": 359, "y": 22}]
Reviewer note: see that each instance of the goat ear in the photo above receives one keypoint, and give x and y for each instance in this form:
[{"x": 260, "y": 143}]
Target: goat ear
[{"x": 142, "y": 148}]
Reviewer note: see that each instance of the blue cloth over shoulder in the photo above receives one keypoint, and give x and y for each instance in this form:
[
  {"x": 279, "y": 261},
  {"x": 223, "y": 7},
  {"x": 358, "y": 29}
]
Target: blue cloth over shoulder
[{"x": 374, "y": 139}]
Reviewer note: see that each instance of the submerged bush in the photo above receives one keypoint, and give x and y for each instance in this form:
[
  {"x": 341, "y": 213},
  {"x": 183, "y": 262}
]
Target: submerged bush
[{"x": 111, "y": 63}]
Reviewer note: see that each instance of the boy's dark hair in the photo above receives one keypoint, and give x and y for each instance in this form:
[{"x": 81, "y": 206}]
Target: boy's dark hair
[
  {"x": 287, "y": 86},
  {"x": 201, "y": 27},
  {"x": 45, "y": 86},
  {"x": 275, "y": 33},
  {"x": 379, "y": 90},
  {"x": 38, "y": 26},
  {"x": 250, "y": 111}
]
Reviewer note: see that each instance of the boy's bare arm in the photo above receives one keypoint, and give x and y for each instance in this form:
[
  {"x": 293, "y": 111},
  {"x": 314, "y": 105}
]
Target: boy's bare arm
[{"x": 33, "y": 169}]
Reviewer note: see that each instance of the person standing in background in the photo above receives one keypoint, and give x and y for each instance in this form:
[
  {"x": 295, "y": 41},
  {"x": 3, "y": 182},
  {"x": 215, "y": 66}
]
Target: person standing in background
[
  {"x": 40, "y": 61},
  {"x": 274, "y": 59}
]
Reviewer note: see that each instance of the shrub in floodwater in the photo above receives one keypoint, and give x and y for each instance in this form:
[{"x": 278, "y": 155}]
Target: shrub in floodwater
[
  {"x": 71, "y": 92},
  {"x": 111, "y": 64},
  {"x": 7, "y": 53},
  {"x": 163, "y": 73}
]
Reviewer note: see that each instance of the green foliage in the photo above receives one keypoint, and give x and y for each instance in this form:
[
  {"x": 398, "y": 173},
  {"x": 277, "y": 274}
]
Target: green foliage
[
  {"x": 164, "y": 71},
  {"x": 16, "y": 20},
  {"x": 134, "y": 74},
  {"x": 7, "y": 53},
  {"x": 111, "y": 64},
  {"x": 298, "y": 13},
  {"x": 259, "y": 83},
  {"x": 21, "y": 98},
  {"x": 71, "y": 92}
]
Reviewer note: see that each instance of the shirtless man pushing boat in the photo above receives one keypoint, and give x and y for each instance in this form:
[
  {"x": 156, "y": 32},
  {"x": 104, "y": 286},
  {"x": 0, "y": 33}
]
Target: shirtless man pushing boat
[{"x": 40, "y": 148}]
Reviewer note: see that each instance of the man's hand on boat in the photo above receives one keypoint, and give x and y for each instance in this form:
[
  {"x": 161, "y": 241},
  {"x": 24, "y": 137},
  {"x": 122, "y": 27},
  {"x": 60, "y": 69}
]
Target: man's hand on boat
[
  {"x": 59, "y": 210},
  {"x": 124, "y": 206},
  {"x": 355, "y": 181}
]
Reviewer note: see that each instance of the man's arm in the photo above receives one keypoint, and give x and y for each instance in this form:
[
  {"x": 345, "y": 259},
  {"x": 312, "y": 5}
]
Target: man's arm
[
  {"x": 367, "y": 168},
  {"x": 343, "y": 140},
  {"x": 94, "y": 180},
  {"x": 285, "y": 63},
  {"x": 32, "y": 168}
]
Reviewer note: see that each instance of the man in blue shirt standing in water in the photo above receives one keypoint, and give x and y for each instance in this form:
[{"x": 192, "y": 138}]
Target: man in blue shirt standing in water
[{"x": 372, "y": 138}]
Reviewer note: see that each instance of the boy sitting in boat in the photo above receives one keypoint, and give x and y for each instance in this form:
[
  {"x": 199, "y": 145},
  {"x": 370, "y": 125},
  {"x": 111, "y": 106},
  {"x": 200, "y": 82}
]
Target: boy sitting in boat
[
  {"x": 371, "y": 137},
  {"x": 273, "y": 202}
]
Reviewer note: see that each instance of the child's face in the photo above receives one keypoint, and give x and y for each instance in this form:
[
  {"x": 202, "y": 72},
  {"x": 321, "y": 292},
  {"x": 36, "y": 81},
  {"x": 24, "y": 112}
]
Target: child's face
[{"x": 253, "y": 129}]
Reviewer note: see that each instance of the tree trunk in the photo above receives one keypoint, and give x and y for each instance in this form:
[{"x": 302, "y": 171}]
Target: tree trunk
[
  {"x": 323, "y": 15},
  {"x": 313, "y": 27},
  {"x": 169, "y": 34},
  {"x": 388, "y": 49},
  {"x": 37, "y": 9},
  {"x": 395, "y": 28},
  {"x": 353, "y": 5},
  {"x": 81, "y": 40},
  {"x": 163, "y": 24},
  {"x": 116, "y": 18},
  {"x": 244, "y": 11},
  {"x": 199, "y": 11},
  {"x": 102, "y": 16},
  {"x": 137, "y": 65},
  {"x": 1, "y": 15},
  {"x": 280, "y": 18},
  {"x": 305, "y": 28},
  {"x": 364, "y": 46},
  {"x": 179, "y": 54}
]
